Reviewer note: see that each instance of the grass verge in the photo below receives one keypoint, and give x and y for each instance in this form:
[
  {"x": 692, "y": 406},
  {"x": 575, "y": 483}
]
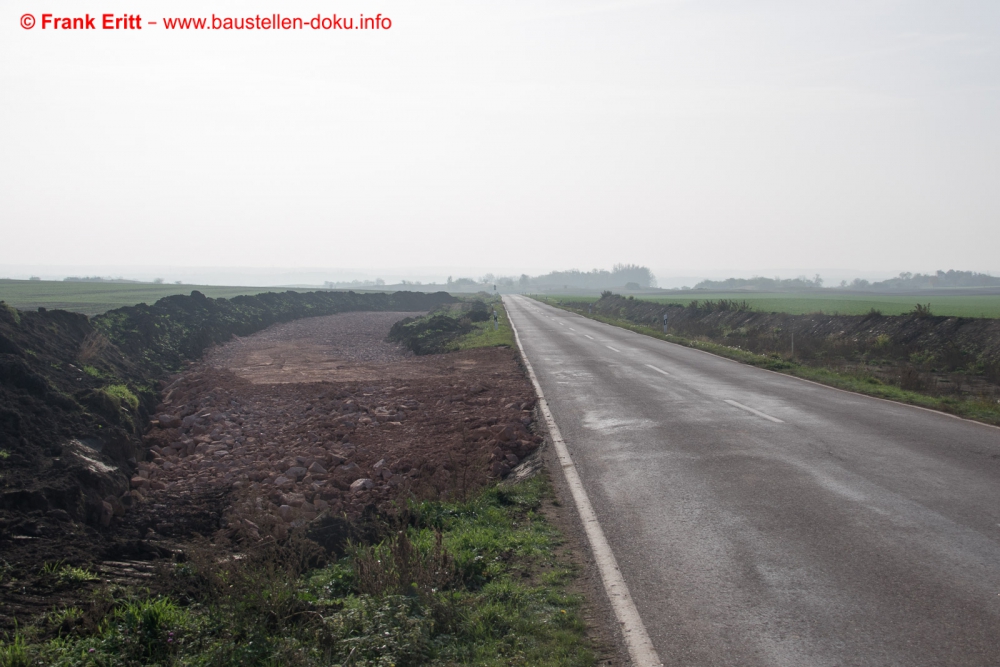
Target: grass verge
[
  {"x": 475, "y": 582},
  {"x": 834, "y": 302},
  {"x": 465, "y": 325},
  {"x": 488, "y": 334},
  {"x": 978, "y": 409}
]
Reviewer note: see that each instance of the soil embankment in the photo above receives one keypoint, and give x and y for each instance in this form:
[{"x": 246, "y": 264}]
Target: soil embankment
[
  {"x": 312, "y": 427},
  {"x": 324, "y": 416},
  {"x": 937, "y": 355},
  {"x": 77, "y": 393}
]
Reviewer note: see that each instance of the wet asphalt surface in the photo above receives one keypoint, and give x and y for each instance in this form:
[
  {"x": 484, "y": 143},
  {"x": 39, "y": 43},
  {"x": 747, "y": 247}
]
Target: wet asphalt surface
[{"x": 762, "y": 520}]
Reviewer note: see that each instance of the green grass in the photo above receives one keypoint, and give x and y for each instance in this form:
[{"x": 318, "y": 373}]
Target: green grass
[
  {"x": 62, "y": 573},
  {"x": 123, "y": 394},
  {"x": 485, "y": 335},
  {"x": 984, "y": 410},
  {"x": 475, "y": 582},
  {"x": 987, "y": 305},
  {"x": 96, "y": 298}
]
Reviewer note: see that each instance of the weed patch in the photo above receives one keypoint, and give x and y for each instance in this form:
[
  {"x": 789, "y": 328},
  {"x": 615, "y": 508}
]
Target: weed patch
[
  {"x": 453, "y": 583},
  {"x": 123, "y": 394}
]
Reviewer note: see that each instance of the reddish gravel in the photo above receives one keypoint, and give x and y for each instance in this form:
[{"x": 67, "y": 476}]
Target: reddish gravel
[{"x": 323, "y": 417}]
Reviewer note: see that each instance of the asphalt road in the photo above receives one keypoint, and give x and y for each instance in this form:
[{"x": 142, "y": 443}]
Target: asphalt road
[{"x": 760, "y": 519}]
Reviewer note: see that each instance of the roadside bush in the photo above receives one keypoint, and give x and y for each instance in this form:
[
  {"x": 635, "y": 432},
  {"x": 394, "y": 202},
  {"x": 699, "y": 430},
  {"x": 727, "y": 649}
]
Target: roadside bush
[
  {"x": 428, "y": 335},
  {"x": 478, "y": 312}
]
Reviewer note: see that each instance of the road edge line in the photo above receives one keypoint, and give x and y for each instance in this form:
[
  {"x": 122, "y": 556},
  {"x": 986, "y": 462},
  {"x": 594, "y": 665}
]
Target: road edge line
[
  {"x": 640, "y": 647},
  {"x": 787, "y": 375},
  {"x": 754, "y": 411}
]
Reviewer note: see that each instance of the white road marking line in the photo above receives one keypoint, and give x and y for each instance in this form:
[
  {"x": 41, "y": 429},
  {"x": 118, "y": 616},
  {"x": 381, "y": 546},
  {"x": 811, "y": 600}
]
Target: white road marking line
[
  {"x": 572, "y": 329},
  {"x": 756, "y": 412},
  {"x": 658, "y": 370},
  {"x": 611, "y": 348},
  {"x": 640, "y": 647},
  {"x": 832, "y": 388},
  {"x": 590, "y": 337}
]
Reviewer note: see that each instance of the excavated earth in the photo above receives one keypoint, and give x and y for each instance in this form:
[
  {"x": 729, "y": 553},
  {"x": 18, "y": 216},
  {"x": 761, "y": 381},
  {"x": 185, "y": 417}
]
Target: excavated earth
[{"x": 310, "y": 426}]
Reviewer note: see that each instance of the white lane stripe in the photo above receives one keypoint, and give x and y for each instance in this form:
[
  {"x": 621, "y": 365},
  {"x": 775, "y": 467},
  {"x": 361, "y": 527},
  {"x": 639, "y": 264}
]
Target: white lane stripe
[
  {"x": 756, "y": 412},
  {"x": 612, "y": 349},
  {"x": 828, "y": 386},
  {"x": 658, "y": 370},
  {"x": 590, "y": 337},
  {"x": 572, "y": 329},
  {"x": 640, "y": 647}
]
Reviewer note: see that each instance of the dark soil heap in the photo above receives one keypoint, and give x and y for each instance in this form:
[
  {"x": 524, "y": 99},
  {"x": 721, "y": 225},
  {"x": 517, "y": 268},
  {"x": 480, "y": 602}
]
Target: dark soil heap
[
  {"x": 313, "y": 431},
  {"x": 918, "y": 351},
  {"x": 76, "y": 393},
  {"x": 431, "y": 335}
]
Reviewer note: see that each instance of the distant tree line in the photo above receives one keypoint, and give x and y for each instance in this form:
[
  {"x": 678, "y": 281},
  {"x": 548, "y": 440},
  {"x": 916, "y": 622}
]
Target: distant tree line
[
  {"x": 621, "y": 275},
  {"x": 344, "y": 284},
  {"x": 627, "y": 276},
  {"x": 775, "y": 284},
  {"x": 940, "y": 279},
  {"x": 99, "y": 279},
  {"x": 904, "y": 281}
]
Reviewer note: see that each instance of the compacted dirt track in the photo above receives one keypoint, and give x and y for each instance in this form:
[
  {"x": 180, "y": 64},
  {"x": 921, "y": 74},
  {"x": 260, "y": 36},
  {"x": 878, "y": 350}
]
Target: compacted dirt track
[{"x": 323, "y": 416}]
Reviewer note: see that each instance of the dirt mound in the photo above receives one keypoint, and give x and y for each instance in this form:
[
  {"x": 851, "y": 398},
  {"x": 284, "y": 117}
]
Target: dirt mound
[
  {"x": 433, "y": 333},
  {"x": 928, "y": 352},
  {"x": 182, "y": 327},
  {"x": 64, "y": 430},
  {"x": 76, "y": 393},
  {"x": 429, "y": 335},
  {"x": 324, "y": 437},
  {"x": 294, "y": 447}
]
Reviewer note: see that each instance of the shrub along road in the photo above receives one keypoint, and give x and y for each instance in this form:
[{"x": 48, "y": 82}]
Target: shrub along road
[{"x": 760, "y": 519}]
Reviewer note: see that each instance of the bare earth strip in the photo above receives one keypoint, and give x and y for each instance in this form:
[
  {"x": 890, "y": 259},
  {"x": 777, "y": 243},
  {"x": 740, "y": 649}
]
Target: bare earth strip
[{"x": 323, "y": 417}]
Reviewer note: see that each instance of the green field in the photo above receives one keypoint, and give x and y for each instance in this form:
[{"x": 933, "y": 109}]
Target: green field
[
  {"x": 95, "y": 298},
  {"x": 797, "y": 303}
]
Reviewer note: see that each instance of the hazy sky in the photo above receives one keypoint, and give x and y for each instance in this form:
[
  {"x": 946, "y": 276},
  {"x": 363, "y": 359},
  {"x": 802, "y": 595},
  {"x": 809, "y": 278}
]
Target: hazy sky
[{"x": 516, "y": 136}]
